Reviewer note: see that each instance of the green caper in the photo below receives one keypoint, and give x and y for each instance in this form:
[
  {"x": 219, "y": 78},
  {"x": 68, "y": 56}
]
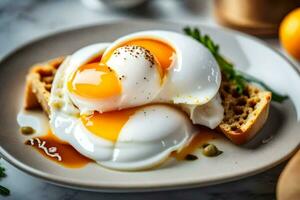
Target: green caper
[
  {"x": 27, "y": 130},
  {"x": 210, "y": 150},
  {"x": 190, "y": 157}
]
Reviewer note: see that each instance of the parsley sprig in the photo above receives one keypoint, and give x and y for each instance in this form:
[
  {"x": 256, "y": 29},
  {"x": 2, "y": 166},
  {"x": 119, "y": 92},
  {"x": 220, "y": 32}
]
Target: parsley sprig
[
  {"x": 3, "y": 190},
  {"x": 240, "y": 79}
]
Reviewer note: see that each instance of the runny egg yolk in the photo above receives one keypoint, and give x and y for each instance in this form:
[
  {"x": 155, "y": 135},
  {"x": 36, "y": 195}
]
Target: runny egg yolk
[
  {"x": 95, "y": 81},
  {"x": 163, "y": 52},
  {"x": 107, "y": 125}
]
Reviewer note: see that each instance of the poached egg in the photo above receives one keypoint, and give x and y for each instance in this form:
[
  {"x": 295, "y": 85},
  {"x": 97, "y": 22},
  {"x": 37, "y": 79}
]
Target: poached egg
[{"x": 124, "y": 104}]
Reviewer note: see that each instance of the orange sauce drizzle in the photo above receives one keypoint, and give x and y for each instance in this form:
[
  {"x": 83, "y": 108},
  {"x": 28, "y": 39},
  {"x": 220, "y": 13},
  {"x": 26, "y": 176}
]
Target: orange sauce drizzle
[{"x": 70, "y": 158}]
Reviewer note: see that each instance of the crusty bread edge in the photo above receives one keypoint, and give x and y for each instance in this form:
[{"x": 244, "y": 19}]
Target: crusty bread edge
[
  {"x": 30, "y": 99},
  {"x": 36, "y": 95},
  {"x": 252, "y": 127}
]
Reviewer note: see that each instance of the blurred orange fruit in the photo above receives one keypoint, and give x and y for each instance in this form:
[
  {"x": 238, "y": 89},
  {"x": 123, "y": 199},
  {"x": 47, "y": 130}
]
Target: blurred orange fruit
[{"x": 289, "y": 33}]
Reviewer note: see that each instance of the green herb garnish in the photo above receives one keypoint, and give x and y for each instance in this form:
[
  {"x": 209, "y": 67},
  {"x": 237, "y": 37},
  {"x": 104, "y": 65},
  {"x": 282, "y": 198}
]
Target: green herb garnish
[
  {"x": 239, "y": 78},
  {"x": 3, "y": 190},
  {"x": 27, "y": 130},
  {"x": 2, "y": 172}
]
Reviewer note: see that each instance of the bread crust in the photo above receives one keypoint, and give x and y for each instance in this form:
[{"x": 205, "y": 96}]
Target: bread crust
[
  {"x": 245, "y": 114},
  {"x": 38, "y": 84}
]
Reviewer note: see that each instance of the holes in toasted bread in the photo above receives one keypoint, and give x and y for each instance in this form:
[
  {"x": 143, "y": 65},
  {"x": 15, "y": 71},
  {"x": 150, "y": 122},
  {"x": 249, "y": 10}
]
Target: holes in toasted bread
[
  {"x": 226, "y": 88},
  {"x": 234, "y": 128},
  {"x": 238, "y": 110},
  {"x": 252, "y": 104},
  {"x": 235, "y": 94},
  {"x": 241, "y": 102},
  {"x": 246, "y": 93}
]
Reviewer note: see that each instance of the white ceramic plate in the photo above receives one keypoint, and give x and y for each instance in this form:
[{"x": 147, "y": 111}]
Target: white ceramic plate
[{"x": 248, "y": 54}]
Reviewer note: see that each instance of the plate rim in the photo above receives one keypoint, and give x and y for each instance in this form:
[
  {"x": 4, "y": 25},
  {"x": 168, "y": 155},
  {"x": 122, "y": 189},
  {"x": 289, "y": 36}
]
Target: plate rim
[{"x": 54, "y": 179}]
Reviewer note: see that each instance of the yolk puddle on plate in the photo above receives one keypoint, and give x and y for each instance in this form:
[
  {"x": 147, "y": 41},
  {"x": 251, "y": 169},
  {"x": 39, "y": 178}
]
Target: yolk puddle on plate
[
  {"x": 58, "y": 151},
  {"x": 204, "y": 136},
  {"x": 109, "y": 124},
  {"x": 64, "y": 154}
]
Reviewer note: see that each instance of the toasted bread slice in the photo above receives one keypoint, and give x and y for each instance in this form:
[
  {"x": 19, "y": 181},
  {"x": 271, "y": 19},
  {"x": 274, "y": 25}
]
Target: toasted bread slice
[
  {"x": 245, "y": 114},
  {"x": 38, "y": 84}
]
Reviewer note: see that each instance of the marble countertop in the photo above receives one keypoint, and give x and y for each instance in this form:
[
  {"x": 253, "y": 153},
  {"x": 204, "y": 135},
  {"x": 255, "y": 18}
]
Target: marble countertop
[{"x": 22, "y": 21}]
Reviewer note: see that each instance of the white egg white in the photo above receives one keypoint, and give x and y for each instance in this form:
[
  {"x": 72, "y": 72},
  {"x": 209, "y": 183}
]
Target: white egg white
[
  {"x": 139, "y": 76},
  {"x": 209, "y": 114}
]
